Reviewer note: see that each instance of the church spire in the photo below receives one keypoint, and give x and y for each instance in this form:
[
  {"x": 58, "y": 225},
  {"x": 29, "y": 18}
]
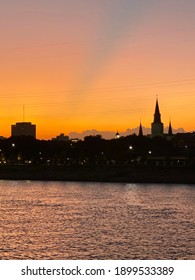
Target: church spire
[
  {"x": 140, "y": 130},
  {"x": 157, "y": 115},
  {"x": 170, "y": 131},
  {"x": 157, "y": 126}
]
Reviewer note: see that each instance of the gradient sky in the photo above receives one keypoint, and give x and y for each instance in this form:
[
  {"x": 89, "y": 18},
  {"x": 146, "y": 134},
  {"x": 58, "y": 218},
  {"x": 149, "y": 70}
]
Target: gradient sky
[{"x": 88, "y": 64}]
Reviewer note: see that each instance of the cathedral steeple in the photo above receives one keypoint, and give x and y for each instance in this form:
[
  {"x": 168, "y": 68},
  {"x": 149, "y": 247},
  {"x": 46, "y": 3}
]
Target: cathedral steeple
[
  {"x": 170, "y": 131},
  {"x": 157, "y": 125},
  {"x": 157, "y": 115},
  {"x": 140, "y": 130}
]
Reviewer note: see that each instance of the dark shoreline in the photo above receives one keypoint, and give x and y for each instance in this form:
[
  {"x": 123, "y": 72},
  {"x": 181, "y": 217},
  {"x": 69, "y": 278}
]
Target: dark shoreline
[{"x": 127, "y": 174}]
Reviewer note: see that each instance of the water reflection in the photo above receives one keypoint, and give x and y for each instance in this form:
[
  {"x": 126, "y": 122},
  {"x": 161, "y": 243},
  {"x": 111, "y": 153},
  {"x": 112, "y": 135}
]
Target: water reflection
[{"x": 62, "y": 220}]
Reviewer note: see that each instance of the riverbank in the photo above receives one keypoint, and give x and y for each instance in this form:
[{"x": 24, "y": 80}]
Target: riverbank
[{"x": 98, "y": 174}]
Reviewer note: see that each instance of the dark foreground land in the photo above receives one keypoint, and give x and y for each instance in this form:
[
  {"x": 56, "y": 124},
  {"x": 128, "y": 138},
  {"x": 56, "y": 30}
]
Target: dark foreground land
[
  {"x": 139, "y": 159},
  {"x": 176, "y": 175}
]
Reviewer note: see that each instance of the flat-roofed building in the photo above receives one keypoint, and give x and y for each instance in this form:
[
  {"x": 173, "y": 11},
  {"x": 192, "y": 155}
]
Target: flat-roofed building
[
  {"x": 61, "y": 137},
  {"x": 23, "y": 129}
]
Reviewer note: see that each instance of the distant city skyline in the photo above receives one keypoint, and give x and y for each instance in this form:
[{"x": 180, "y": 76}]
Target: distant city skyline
[
  {"x": 110, "y": 134},
  {"x": 26, "y": 128},
  {"x": 84, "y": 65},
  {"x": 106, "y": 134}
]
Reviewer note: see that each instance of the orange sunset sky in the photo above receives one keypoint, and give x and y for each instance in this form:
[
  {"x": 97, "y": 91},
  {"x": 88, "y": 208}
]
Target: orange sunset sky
[{"x": 87, "y": 64}]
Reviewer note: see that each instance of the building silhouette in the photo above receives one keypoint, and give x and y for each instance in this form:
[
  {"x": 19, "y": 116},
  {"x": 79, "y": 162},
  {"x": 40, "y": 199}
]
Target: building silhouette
[
  {"x": 117, "y": 135},
  {"x": 157, "y": 127},
  {"x": 23, "y": 129},
  {"x": 140, "y": 130},
  {"x": 170, "y": 131},
  {"x": 61, "y": 137}
]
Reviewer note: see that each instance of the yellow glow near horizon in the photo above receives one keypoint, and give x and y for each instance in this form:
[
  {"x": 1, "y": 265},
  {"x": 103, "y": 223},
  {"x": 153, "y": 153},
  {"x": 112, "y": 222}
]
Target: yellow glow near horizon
[{"x": 96, "y": 66}]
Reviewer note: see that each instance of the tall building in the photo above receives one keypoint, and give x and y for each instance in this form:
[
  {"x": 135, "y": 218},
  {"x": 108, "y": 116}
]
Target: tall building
[
  {"x": 23, "y": 129},
  {"x": 157, "y": 127}
]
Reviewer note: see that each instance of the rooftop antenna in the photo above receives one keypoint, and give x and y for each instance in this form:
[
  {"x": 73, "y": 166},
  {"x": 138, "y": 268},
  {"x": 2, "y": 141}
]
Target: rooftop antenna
[{"x": 23, "y": 112}]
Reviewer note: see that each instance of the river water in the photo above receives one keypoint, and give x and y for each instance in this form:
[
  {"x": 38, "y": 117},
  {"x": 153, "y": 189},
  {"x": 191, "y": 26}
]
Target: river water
[{"x": 72, "y": 220}]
